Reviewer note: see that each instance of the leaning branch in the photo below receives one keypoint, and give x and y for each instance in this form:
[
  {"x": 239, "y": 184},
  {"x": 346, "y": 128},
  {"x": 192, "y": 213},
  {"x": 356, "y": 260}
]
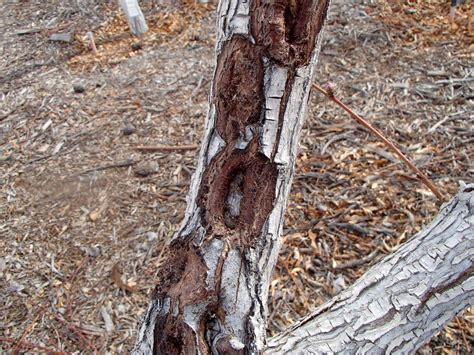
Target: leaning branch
[
  {"x": 400, "y": 303},
  {"x": 330, "y": 94}
]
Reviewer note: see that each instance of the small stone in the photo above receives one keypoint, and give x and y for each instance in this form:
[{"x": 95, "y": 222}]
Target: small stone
[
  {"x": 93, "y": 251},
  {"x": 146, "y": 168},
  {"x": 128, "y": 129},
  {"x": 78, "y": 88},
  {"x": 136, "y": 46}
]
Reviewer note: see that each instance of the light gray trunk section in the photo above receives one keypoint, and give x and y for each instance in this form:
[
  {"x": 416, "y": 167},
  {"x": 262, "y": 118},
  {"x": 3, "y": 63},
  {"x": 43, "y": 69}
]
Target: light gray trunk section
[{"x": 401, "y": 302}]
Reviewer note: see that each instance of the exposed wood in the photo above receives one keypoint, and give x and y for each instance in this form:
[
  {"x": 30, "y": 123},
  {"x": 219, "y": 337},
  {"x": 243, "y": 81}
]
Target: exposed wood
[
  {"x": 401, "y": 302},
  {"x": 212, "y": 295}
]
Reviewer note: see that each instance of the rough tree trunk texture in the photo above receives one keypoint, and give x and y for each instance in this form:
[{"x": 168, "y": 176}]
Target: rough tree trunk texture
[
  {"x": 135, "y": 17},
  {"x": 402, "y": 301},
  {"x": 212, "y": 295}
]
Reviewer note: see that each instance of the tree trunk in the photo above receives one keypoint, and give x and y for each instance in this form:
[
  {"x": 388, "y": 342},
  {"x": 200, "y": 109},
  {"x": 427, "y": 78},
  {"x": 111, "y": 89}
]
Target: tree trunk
[
  {"x": 402, "y": 301},
  {"x": 212, "y": 295}
]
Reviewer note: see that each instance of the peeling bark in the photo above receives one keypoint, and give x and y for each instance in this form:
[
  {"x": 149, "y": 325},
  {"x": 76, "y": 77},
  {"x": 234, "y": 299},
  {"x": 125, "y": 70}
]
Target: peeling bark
[
  {"x": 211, "y": 297},
  {"x": 400, "y": 303},
  {"x": 212, "y": 294},
  {"x": 292, "y": 26}
]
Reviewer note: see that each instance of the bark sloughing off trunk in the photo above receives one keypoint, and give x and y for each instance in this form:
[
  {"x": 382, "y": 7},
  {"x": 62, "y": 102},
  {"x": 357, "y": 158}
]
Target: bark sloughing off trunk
[
  {"x": 402, "y": 301},
  {"x": 212, "y": 295}
]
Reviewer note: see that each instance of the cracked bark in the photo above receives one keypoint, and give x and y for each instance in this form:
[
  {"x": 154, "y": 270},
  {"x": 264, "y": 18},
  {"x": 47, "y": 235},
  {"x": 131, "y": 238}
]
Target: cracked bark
[
  {"x": 400, "y": 303},
  {"x": 211, "y": 296}
]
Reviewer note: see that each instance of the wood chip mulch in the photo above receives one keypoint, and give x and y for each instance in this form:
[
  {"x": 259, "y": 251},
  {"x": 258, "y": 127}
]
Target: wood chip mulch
[{"x": 86, "y": 214}]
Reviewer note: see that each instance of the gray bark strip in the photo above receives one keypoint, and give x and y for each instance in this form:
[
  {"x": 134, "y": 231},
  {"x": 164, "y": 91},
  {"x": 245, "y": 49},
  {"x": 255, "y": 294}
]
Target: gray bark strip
[
  {"x": 212, "y": 296},
  {"x": 403, "y": 300}
]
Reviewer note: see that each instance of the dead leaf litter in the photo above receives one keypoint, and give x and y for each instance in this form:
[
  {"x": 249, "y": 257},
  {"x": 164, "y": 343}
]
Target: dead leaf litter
[{"x": 87, "y": 210}]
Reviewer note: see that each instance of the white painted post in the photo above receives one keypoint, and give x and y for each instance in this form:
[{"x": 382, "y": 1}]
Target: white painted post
[{"x": 135, "y": 17}]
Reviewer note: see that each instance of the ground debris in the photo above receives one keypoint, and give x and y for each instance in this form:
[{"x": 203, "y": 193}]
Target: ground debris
[
  {"x": 61, "y": 37},
  {"x": 73, "y": 208}
]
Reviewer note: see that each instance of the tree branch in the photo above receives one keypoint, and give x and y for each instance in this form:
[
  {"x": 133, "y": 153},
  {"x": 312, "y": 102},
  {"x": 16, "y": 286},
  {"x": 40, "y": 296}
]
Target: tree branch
[
  {"x": 403, "y": 300},
  {"x": 423, "y": 178}
]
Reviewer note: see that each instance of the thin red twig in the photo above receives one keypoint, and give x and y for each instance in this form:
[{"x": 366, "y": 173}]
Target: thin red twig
[
  {"x": 30, "y": 345},
  {"x": 27, "y": 331},
  {"x": 421, "y": 176}
]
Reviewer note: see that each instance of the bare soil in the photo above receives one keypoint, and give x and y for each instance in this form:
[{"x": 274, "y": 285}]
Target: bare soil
[{"x": 85, "y": 216}]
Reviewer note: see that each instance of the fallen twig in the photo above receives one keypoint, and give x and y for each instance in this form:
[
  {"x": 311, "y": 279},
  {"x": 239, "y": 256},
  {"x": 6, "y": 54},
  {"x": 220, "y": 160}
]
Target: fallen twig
[
  {"x": 84, "y": 341},
  {"x": 31, "y": 345},
  {"x": 123, "y": 164},
  {"x": 330, "y": 94},
  {"x": 166, "y": 148}
]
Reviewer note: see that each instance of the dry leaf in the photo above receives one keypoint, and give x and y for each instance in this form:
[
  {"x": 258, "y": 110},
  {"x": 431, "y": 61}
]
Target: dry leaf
[
  {"x": 117, "y": 277},
  {"x": 94, "y": 215}
]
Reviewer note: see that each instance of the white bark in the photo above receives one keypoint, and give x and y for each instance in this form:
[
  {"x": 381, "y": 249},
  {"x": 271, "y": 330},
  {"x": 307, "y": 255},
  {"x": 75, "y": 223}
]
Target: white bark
[
  {"x": 402, "y": 301},
  {"x": 230, "y": 240},
  {"x": 212, "y": 296},
  {"x": 135, "y": 17}
]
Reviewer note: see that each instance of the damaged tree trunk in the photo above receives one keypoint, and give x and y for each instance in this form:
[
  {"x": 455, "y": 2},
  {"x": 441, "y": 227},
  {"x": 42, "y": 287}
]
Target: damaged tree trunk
[{"x": 212, "y": 295}]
